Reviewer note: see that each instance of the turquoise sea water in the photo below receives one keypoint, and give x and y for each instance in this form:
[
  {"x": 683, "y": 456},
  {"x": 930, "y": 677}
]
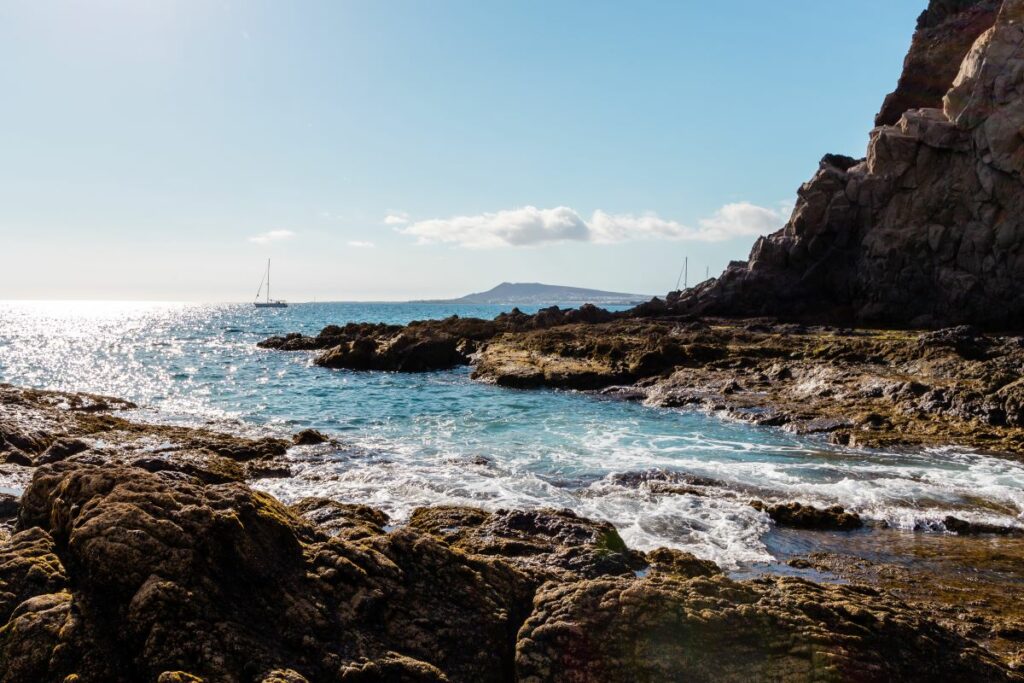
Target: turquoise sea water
[{"x": 410, "y": 440}]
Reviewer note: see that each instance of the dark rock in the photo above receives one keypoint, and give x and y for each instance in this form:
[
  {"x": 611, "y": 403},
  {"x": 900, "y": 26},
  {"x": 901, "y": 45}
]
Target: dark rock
[
  {"x": 19, "y": 437},
  {"x": 544, "y": 543},
  {"x": 664, "y": 628},
  {"x": 963, "y": 527},
  {"x": 173, "y": 575},
  {"x": 245, "y": 449},
  {"x": 926, "y": 231},
  {"x": 945, "y": 32},
  {"x": 800, "y": 516},
  {"x": 679, "y": 563},
  {"x": 309, "y": 437},
  {"x": 8, "y": 506},
  {"x": 963, "y": 339},
  {"x": 120, "y": 574},
  {"x": 60, "y": 450},
  {"x": 350, "y": 520},
  {"x": 15, "y": 456}
]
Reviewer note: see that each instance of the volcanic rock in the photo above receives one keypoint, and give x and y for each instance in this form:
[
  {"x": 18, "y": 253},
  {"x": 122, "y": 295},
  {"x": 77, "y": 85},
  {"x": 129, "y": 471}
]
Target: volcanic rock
[
  {"x": 928, "y": 230},
  {"x": 663, "y": 628},
  {"x": 800, "y": 516}
]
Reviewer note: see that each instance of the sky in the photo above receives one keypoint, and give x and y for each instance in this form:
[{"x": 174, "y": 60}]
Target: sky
[{"x": 406, "y": 149}]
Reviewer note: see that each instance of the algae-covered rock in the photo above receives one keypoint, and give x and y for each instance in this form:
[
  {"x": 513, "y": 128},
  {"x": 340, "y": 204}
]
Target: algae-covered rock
[
  {"x": 799, "y": 516},
  {"x": 664, "y": 628},
  {"x": 544, "y": 543}
]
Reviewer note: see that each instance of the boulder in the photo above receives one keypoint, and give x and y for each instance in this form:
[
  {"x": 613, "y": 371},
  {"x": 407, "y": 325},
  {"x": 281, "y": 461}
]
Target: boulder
[
  {"x": 309, "y": 437},
  {"x": 799, "y": 516},
  {"x": 665, "y": 628}
]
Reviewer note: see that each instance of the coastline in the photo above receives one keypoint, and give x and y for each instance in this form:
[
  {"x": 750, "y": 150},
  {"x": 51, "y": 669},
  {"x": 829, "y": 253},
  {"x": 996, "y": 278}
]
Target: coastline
[
  {"x": 121, "y": 514},
  {"x": 871, "y": 388}
]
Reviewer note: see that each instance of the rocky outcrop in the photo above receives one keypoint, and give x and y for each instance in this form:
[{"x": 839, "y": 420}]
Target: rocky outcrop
[
  {"x": 545, "y": 544},
  {"x": 799, "y": 516},
  {"x": 856, "y": 388},
  {"x": 125, "y": 567},
  {"x": 927, "y": 229},
  {"x": 119, "y": 574},
  {"x": 945, "y": 32},
  {"x": 715, "y": 629},
  {"x": 424, "y": 345},
  {"x": 169, "y": 574}
]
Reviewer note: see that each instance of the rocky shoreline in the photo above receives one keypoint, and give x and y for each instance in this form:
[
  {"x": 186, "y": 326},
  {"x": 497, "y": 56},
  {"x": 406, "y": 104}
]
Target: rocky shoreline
[
  {"x": 855, "y": 387},
  {"x": 143, "y": 552},
  {"x": 140, "y": 553}
]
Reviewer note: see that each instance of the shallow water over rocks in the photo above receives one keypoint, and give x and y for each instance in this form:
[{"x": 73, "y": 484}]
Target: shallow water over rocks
[{"x": 401, "y": 441}]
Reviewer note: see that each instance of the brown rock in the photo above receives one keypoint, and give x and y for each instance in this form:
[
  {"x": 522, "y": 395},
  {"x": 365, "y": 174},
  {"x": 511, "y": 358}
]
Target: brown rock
[
  {"x": 800, "y": 516},
  {"x": 925, "y": 231},
  {"x": 309, "y": 437},
  {"x": 544, "y": 543},
  {"x": 667, "y": 629}
]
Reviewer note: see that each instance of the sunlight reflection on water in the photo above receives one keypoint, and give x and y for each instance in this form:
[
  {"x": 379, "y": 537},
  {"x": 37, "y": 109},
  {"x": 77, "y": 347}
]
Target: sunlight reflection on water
[{"x": 441, "y": 438}]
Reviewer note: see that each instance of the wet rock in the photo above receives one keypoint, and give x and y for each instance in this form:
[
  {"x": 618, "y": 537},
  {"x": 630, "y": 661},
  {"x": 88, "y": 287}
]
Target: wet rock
[
  {"x": 711, "y": 628},
  {"x": 544, "y": 543},
  {"x": 964, "y": 527},
  {"x": 20, "y": 438},
  {"x": 820, "y": 425},
  {"x": 61, "y": 449},
  {"x": 350, "y": 520},
  {"x": 309, "y": 437},
  {"x": 798, "y": 516},
  {"x": 409, "y": 350},
  {"x": 8, "y": 506},
  {"x": 224, "y": 583},
  {"x": 666, "y": 482},
  {"x": 15, "y": 456},
  {"x": 244, "y": 449},
  {"x": 203, "y": 465},
  {"x": 679, "y": 563},
  {"x": 964, "y": 340}
]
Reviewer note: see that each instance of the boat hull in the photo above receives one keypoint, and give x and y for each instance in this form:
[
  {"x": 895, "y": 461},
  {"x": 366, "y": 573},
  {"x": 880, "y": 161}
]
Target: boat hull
[{"x": 274, "y": 304}]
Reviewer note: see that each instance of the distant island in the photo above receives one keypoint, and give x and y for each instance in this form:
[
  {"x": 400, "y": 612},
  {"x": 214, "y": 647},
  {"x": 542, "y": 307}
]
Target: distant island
[{"x": 533, "y": 293}]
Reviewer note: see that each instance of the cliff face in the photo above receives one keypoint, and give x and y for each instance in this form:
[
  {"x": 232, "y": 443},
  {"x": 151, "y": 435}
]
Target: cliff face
[{"x": 928, "y": 229}]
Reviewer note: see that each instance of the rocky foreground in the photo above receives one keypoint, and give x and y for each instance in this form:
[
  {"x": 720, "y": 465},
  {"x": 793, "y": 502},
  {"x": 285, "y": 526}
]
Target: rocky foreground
[{"x": 137, "y": 552}]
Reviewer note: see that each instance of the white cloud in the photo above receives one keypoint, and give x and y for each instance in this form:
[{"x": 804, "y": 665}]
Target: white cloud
[
  {"x": 516, "y": 227},
  {"x": 396, "y": 218},
  {"x": 272, "y": 236},
  {"x": 743, "y": 219},
  {"x": 360, "y": 244},
  {"x": 530, "y": 226}
]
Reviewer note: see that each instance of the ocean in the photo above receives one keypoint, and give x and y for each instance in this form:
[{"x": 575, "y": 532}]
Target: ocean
[{"x": 440, "y": 438}]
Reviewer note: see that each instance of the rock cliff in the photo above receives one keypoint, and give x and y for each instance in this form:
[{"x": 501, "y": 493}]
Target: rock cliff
[{"x": 927, "y": 230}]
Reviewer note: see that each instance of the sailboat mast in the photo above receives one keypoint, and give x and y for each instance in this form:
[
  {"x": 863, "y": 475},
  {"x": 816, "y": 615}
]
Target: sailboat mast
[{"x": 268, "y": 281}]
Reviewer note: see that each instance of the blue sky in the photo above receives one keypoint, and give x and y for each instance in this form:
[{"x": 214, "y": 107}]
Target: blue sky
[{"x": 412, "y": 149}]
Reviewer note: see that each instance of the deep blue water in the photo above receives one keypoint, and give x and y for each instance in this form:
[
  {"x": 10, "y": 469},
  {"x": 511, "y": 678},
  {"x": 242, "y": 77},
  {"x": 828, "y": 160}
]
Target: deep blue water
[{"x": 441, "y": 438}]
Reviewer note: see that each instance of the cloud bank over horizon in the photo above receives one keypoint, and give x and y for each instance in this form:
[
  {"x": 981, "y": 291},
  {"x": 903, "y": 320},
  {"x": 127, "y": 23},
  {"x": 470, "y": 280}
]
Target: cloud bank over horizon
[{"x": 532, "y": 226}]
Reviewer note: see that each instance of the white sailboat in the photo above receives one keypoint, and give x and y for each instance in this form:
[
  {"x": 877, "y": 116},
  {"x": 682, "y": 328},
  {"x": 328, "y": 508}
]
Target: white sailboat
[{"x": 268, "y": 302}]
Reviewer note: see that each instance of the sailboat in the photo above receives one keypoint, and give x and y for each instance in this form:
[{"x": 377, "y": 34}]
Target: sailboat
[{"x": 268, "y": 302}]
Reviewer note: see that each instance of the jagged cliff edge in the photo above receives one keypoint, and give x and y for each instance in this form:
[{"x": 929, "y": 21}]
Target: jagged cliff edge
[{"x": 928, "y": 229}]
